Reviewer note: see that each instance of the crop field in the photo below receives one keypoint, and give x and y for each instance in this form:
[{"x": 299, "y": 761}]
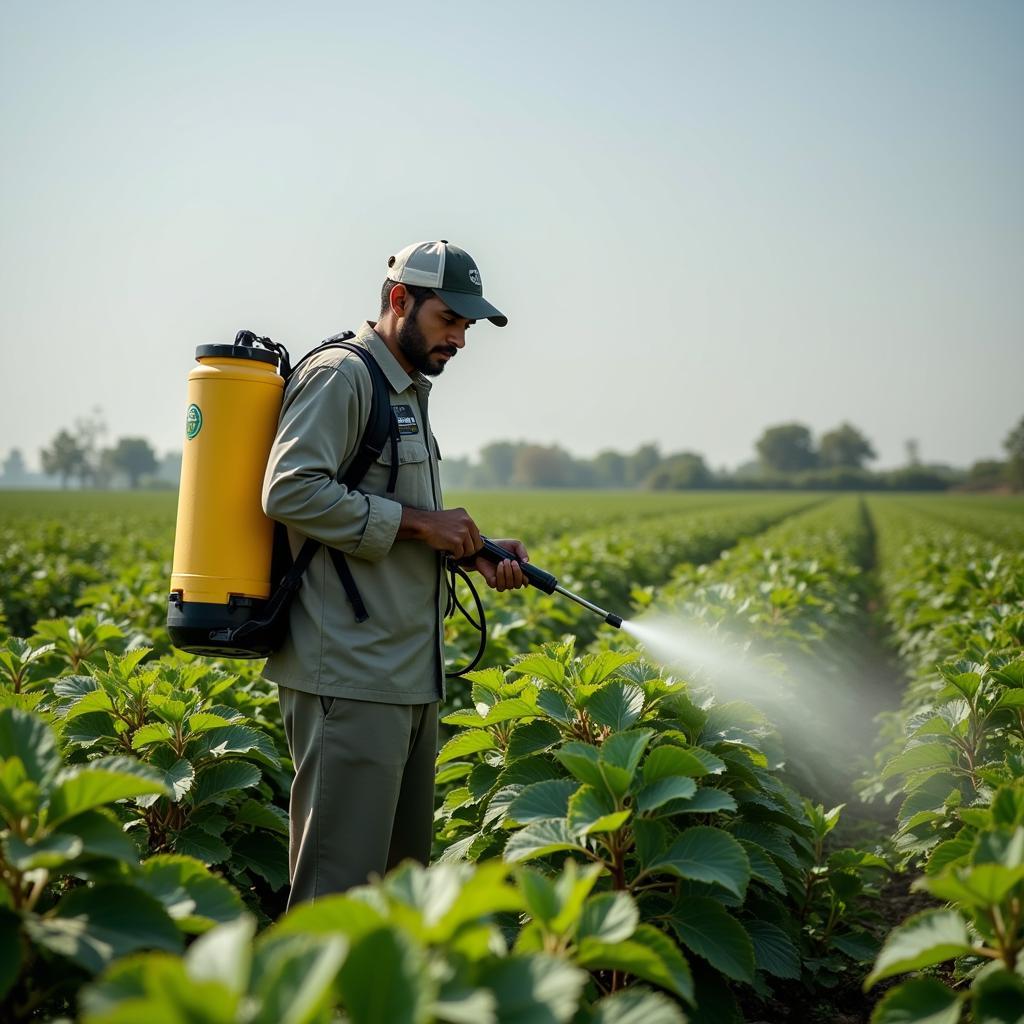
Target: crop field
[{"x": 790, "y": 790}]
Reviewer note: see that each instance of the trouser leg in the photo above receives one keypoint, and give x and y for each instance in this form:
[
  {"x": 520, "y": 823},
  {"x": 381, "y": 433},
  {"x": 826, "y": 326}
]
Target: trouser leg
[
  {"x": 413, "y": 833},
  {"x": 356, "y": 762}
]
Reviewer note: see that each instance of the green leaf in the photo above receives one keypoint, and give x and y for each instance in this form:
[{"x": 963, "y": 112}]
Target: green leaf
[
  {"x": 203, "y": 721},
  {"x": 583, "y": 761},
  {"x": 706, "y": 928},
  {"x": 539, "y": 839},
  {"x": 264, "y": 854},
  {"x": 540, "y": 894},
  {"x": 11, "y": 951},
  {"x": 984, "y": 885},
  {"x": 28, "y": 738},
  {"x": 555, "y": 706},
  {"x": 383, "y": 979},
  {"x": 224, "y": 954},
  {"x": 293, "y": 978},
  {"x": 233, "y": 739},
  {"x": 96, "y": 924},
  {"x": 263, "y": 815},
  {"x": 624, "y": 749},
  {"x": 593, "y": 810},
  {"x": 707, "y": 800},
  {"x": 636, "y": 1006},
  {"x": 617, "y": 705},
  {"x": 541, "y": 666},
  {"x": 472, "y": 741},
  {"x": 531, "y": 737},
  {"x": 222, "y": 778},
  {"x": 925, "y": 939},
  {"x": 763, "y": 868},
  {"x": 774, "y": 951},
  {"x": 99, "y": 782},
  {"x": 999, "y": 998},
  {"x": 596, "y": 668},
  {"x": 647, "y": 954},
  {"x": 49, "y": 851},
  {"x": 543, "y": 801},
  {"x": 155, "y": 732},
  {"x": 536, "y": 990},
  {"x": 195, "y": 842},
  {"x": 667, "y": 760},
  {"x": 918, "y": 758},
  {"x": 660, "y": 792},
  {"x": 706, "y": 854},
  {"x": 918, "y": 1001},
  {"x": 608, "y": 917},
  {"x": 190, "y": 894},
  {"x": 102, "y": 835},
  {"x": 483, "y": 715}
]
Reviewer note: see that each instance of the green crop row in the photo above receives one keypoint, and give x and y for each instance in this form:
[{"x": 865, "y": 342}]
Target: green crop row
[{"x": 955, "y": 763}]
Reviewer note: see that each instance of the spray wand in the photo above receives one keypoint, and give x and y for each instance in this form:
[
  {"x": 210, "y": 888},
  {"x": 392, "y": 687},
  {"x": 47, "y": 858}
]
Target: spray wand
[{"x": 534, "y": 577}]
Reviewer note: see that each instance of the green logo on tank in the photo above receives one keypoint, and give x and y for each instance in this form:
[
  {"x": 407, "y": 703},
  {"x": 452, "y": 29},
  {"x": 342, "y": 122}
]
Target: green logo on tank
[{"x": 193, "y": 421}]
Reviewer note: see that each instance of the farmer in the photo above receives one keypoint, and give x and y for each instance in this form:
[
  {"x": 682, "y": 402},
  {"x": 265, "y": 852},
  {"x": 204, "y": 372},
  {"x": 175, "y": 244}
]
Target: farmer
[{"x": 360, "y": 699}]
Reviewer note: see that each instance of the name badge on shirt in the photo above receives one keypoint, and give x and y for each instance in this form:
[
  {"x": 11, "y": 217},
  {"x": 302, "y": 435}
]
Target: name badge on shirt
[{"x": 406, "y": 419}]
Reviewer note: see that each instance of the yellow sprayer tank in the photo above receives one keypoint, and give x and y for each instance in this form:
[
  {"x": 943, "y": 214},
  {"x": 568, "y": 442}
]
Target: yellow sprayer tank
[{"x": 223, "y": 542}]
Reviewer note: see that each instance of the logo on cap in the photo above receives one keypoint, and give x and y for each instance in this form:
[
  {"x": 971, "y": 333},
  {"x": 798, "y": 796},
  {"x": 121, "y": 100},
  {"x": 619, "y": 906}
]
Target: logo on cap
[{"x": 474, "y": 276}]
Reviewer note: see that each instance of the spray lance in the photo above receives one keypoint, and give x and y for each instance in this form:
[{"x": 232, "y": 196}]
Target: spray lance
[{"x": 534, "y": 577}]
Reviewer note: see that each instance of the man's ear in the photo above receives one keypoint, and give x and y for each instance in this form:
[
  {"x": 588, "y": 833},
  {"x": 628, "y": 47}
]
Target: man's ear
[{"x": 399, "y": 299}]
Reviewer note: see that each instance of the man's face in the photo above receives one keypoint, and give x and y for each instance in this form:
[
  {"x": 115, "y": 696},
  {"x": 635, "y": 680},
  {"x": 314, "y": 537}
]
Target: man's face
[{"x": 432, "y": 335}]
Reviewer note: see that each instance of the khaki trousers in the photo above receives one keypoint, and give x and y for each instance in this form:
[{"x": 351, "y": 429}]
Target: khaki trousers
[{"x": 363, "y": 796}]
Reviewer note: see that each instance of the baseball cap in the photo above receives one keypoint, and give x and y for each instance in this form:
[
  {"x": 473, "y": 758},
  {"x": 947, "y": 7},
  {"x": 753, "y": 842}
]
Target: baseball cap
[{"x": 451, "y": 273}]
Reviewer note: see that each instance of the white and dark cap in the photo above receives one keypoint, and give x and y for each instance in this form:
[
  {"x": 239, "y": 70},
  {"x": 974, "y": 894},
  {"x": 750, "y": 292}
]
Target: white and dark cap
[{"x": 451, "y": 273}]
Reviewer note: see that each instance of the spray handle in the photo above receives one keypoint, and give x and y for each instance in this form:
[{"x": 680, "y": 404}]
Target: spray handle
[{"x": 535, "y": 577}]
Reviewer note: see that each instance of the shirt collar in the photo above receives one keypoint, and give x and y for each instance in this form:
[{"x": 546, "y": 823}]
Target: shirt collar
[{"x": 397, "y": 377}]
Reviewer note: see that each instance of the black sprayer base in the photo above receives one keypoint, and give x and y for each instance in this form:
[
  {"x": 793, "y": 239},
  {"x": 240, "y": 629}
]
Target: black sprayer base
[{"x": 208, "y": 629}]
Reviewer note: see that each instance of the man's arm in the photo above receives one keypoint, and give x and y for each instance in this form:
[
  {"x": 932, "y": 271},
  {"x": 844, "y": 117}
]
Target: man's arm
[{"x": 320, "y": 426}]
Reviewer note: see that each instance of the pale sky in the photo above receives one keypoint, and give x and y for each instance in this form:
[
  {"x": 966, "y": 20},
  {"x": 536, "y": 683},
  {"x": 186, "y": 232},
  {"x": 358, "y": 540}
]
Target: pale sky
[{"x": 700, "y": 218}]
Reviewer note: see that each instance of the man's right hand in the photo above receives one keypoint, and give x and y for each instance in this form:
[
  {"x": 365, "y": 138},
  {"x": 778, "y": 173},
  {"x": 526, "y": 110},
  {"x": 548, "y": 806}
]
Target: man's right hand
[{"x": 451, "y": 530}]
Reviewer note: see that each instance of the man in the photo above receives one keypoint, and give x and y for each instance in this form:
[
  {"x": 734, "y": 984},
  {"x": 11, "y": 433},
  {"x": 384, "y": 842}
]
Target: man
[{"x": 359, "y": 698}]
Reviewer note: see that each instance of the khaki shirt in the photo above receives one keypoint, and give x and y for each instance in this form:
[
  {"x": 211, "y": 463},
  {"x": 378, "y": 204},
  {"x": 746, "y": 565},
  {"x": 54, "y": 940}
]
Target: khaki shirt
[{"x": 397, "y": 655}]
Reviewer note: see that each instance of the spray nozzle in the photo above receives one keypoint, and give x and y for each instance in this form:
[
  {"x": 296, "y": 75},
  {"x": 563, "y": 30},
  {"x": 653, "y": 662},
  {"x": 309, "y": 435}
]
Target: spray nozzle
[{"x": 545, "y": 581}]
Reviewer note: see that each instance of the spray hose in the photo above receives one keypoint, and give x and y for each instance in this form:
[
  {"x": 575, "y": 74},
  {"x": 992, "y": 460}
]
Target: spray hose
[{"x": 534, "y": 577}]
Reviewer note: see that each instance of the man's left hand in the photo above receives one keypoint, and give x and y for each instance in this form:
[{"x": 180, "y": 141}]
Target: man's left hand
[{"x": 505, "y": 575}]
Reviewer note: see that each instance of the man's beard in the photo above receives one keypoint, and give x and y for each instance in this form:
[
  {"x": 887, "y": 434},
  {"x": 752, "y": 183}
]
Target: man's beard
[{"x": 413, "y": 345}]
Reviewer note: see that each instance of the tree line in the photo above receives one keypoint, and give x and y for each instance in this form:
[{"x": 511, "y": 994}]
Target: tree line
[{"x": 788, "y": 455}]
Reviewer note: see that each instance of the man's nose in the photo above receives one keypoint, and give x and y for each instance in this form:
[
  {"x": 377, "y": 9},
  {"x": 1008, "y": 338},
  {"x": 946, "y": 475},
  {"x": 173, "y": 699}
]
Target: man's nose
[{"x": 457, "y": 336}]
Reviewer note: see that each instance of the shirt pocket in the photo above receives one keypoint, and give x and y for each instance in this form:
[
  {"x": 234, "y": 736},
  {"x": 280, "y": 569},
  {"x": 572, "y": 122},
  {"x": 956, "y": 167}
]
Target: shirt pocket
[{"x": 412, "y": 484}]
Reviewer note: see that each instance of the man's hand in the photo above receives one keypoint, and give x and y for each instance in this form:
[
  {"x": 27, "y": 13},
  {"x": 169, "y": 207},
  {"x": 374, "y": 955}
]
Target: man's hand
[
  {"x": 451, "y": 530},
  {"x": 505, "y": 575}
]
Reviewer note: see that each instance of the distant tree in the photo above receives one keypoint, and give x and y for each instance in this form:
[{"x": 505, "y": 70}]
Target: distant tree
[
  {"x": 913, "y": 452},
  {"x": 987, "y": 475},
  {"x": 641, "y": 463},
  {"x": 65, "y": 458},
  {"x": 90, "y": 431},
  {"x": 680, "y": 472},
  {"x": 15, "y": 469},
  {"x": 845, "y": 446},
  {"x": 135, "y": 457},
  {"x": 1014, "y": 445},
  {"x": 498, "y": 462},
  {"x": 456, "y": 473},
  {"x": 540, "y": 466},
  {"x": 787, "y": 448},
  {"x": 609, "y": 469}
]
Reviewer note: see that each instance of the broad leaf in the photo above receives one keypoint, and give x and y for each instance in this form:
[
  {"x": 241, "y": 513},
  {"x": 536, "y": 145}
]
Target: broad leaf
[
  {"x": 94, "y": 925},
  {"x": 541, "y": 838},
  {"x": 472, "y": 741},
  {"x": 608, "y": 917},
  {"x": 543, "y": 801},
  {"x": 617, "y": 705},
  {"x": 223, "y": 778},
  {"x": 635, "y": 1006},
  {"x": 100, "y": 782},
  {"x": 190, "y": 894},
  {"x": 925, "y": 939},
  {"x": 648, "y": 954},
  {"x": 706, "y": 854},
  {"x": 707, "y": 928},
  {"x": 27, "y": 737},
  {"x": 919, "y": 1001},
  {"x": 774, "y": 951}
]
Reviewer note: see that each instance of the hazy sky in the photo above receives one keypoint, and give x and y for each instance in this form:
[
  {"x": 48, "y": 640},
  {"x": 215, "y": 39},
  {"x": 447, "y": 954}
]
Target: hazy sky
[{"x": 700, "y": 218}]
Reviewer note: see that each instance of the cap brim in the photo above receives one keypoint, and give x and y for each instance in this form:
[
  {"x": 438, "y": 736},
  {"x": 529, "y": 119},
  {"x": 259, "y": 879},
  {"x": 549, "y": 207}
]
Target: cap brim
[{"x": 472, "y": 307}]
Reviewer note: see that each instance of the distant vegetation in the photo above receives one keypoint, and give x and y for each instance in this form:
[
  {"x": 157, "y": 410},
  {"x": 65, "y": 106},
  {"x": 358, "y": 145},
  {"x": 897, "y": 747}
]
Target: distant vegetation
[{"x": 788, "y": 456}]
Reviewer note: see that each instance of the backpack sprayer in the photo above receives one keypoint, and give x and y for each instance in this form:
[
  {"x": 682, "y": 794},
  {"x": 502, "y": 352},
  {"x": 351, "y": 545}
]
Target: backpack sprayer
[{"x": 233, "y": 575}]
